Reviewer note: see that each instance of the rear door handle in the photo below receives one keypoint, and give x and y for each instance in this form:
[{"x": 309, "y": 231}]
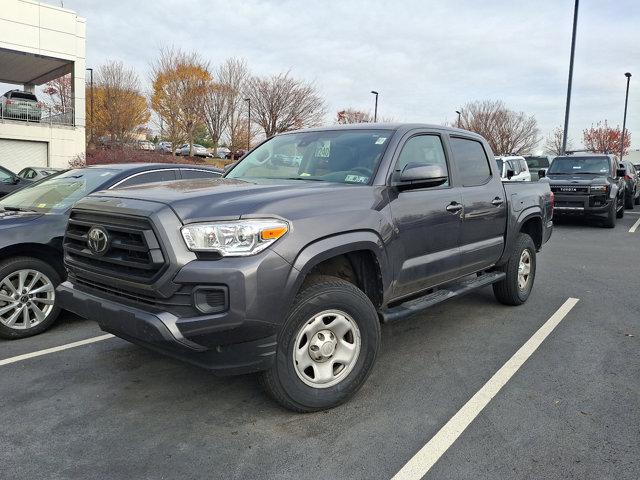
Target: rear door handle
[
  {"x": 454, "y": 207},
  {"x": 497, "y": 201}
]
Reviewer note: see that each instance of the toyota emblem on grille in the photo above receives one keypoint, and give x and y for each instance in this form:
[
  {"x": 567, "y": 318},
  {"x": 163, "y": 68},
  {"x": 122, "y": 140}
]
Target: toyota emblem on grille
[
  {"x": 98, "y": 240},
  {"x": 568, "y": 189}
]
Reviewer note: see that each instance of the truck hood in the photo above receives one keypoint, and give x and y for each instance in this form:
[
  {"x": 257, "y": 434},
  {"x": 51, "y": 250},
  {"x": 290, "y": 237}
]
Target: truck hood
[
  {"x": 577, "y": 179},
  {"x": 16, "y": 219},
  {"x": 206, "y": 199}
]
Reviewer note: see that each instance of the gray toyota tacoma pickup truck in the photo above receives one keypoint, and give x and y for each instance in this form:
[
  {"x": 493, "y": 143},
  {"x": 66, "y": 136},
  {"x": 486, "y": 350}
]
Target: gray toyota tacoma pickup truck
[{"x": 289, "y": 263}]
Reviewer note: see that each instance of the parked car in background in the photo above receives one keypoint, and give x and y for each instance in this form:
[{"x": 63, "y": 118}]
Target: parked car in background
[
  {"x": 198, "y": 150},
  {"x": 289, "y": 269},
  {"x": 632, "y": 188},
  {"x": 514, "y": 165},
  {"x": 10, "y": 182},
  {"x": 221, "y": 152},
  {"x": 145, "y": 145},
  {"x": 590, "y": 185},
  {"x": 535, "y": 164},
  {"x": 32, "y": 225},
  {"x": 20, "y": 105},
  {"x": 37, "y": 173},
  {"x": 238, "y": 154},
  {"x": 164, "y": 147}
]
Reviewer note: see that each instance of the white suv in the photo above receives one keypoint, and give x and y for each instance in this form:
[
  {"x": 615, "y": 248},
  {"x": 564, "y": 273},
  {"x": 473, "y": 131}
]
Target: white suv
[{"x": 517, "y": 164}]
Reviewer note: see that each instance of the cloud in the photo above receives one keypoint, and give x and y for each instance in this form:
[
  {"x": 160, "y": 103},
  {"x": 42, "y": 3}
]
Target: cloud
[{"x": 426, "y": 58}]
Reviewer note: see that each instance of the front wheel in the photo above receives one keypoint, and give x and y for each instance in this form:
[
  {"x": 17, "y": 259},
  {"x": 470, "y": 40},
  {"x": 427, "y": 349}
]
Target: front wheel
[
  {"x": 27, "y": 297},
  {"x": 620, "y": 213},
  {"x": 520, "y": 273},
  {"x": 326, "y": 349}
]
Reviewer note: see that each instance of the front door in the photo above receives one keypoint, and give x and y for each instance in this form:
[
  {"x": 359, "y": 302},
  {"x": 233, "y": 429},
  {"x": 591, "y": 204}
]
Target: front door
[{"x": 427, "y": 220}]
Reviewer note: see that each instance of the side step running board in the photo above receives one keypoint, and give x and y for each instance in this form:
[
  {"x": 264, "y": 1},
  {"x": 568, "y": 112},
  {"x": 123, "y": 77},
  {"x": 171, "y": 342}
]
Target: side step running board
[{"x": 418, "y": 305}]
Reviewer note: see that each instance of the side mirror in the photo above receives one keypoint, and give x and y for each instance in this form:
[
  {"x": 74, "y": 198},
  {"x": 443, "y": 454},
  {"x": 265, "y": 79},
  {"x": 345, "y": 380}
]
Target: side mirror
[
  {"x": 510, "y": 173},
  {"x": 229, "y": 166},
  {"x": 542, "y": 173},
  {"x": 16, "y": 180},
  {"x": 421, "y": 175},
  {"x": 621, "y": 172}
]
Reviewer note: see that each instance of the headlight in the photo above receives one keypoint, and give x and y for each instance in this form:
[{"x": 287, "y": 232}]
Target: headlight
[
  {"x": 599, "y": 188},
  {"x": 234, "y": 239}
]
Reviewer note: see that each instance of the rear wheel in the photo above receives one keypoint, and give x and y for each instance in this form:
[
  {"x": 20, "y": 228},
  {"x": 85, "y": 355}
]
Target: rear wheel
[
  {"x": 628, "y": 201},
  {"x": 326, "y": 349},
  {"x": 636, "y": 200},
  {"x": 27, "y": 297},
  {"x": 520, "y": 273},
  {"x": 620, "y": 213}
]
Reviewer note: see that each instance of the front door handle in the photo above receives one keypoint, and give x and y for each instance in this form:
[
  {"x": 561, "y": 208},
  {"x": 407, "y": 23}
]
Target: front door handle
[
  {"x": 497, "y": 201},
  {"x": 454, "y": 207}
]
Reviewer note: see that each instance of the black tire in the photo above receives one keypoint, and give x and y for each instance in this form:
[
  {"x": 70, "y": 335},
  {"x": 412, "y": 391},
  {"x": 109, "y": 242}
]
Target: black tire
[
  {"x": 282, "y": 381},
  {"x": 508, "y": 291},
  {"x": 12, "y": 265},
  {"x": 620, "y": 212},
  {"x": 636, "y": 201},
  {"x": 610, "y": 219}
]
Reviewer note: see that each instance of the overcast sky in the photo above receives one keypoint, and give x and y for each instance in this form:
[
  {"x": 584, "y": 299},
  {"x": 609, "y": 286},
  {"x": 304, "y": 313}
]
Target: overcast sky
[{"x": 426, "y": 58}]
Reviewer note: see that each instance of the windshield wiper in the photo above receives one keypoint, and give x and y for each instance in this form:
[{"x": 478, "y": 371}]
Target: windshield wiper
[
  {"x": 306, "y": 178},
  {"x": 18, "y": 209}
]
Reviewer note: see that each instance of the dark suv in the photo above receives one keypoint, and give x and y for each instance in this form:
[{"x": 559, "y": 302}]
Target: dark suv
[
  {"x": 587, "y": 185},
  {"x": 632, "y": 179}
]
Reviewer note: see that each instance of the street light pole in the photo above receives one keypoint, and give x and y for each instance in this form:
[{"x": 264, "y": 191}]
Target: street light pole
[
  {"x": 375, "y": 111},
  {"x": 573, "y": 50},
  {"x": 624, "y": 120},
  {"x": 91, "y": 103},
  {"x": 248, "y": 100},
  {"x": 459, "y": 112}
]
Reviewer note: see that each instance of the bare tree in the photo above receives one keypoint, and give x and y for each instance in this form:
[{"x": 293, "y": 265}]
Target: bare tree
[
  {"x": 352, "y": 115},
  {"x": 180, "y": 85},
  {"x": 215, "y": 106},
  {"x": 59, "y": 94},
  {"x": 280, "y": 103},
  {"x": 506, "y": 131},
  {"x": 120, "y": 109},
  {"x": 232, "y": 77},
  {"x": 553, "y": 142}
]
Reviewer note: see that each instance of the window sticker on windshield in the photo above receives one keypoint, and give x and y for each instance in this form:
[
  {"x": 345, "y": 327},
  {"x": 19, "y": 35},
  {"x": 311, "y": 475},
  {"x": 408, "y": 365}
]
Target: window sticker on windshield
[
  {"x": 356, "y": 179},
  {"x": 577, "y": 167},
  {"x": 603, "y": 170},
  {"x": 305, "y": 174},
  {"x": 324, "y": 150},
  {"x": 42, "y": 205},
  {"x": 381, "y": 140}
]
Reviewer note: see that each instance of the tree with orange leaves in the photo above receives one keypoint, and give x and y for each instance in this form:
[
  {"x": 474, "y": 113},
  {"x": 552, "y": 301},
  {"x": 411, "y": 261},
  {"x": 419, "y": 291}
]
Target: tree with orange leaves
[
  {"x": 602, "y": 138},
  {"x": 180, "y": 83}
]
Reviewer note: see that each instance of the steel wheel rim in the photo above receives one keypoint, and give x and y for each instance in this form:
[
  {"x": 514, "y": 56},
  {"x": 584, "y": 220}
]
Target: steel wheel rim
[
  {"x": 27, "y": 297},
  {"x": 326, "y": 349},
  {"x": 524, "y": 269}
]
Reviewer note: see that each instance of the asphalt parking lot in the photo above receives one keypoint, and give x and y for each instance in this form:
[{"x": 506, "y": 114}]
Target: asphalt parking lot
[{"x": 110, "y": 409}]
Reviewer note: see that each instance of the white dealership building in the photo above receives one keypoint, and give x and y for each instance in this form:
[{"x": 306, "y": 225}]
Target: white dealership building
[{"x": 39, "y": 43}]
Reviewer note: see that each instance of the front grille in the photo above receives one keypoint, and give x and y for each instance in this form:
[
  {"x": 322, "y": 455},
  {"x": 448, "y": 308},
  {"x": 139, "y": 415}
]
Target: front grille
[
  {"x": 133, "y": 251},
  {"x": 561, "y": 203},
  {"x": 570, "y": 189}
]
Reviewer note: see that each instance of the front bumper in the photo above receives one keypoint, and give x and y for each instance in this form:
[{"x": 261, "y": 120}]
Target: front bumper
[
  {"x": 159, "y": 332},
  {"x": 581, "y": 204}
]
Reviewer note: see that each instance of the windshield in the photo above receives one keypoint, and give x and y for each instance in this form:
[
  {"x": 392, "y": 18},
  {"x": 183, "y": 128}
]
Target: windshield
[
  {"x": 56, "y": 193},
  {"x": 537, "y": 162},
  {"x": 343, "y": 156},
  {"x": 572, "y": 165}
]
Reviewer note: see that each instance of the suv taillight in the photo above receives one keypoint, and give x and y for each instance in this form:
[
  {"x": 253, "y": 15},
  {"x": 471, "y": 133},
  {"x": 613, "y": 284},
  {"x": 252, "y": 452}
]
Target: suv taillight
[{"x": 552, "y": 202}]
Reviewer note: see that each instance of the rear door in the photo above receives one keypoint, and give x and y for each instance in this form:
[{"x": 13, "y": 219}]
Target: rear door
[
  {"x": 427, "y": 219},
  {"x": 484, "y": 217}
]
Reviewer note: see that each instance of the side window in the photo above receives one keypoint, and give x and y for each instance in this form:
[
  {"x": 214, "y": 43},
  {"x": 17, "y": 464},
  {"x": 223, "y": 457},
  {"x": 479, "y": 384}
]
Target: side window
[
  {"x": 191, "y": 173},
  {"x": 424, "y": 149},
  {"x": 523, "y": 166},
  {"x": 29, "y": 173},
  {"x": 150, "y": 177},
  {"x": 472, "y": 161},
  {"x": 4, "y": 176}
]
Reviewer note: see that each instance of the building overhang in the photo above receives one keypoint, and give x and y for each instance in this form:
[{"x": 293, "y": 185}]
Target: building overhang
[{"x": 29, "y": 68}]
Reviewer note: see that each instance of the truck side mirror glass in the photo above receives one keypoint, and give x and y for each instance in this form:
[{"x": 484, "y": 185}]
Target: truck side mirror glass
[
  {"x": 542, "y": 173},
  {"x": 510, "y": 173},
  {"x": 621, "y": 172},
  {"x": 422, "y": 175}
]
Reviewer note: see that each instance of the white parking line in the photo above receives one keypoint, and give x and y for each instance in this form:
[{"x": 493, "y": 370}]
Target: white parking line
[
  {"x": 635, "y": 226},
  {"x": 428, "y": 455},
  {"x": 27, "y": 356}
]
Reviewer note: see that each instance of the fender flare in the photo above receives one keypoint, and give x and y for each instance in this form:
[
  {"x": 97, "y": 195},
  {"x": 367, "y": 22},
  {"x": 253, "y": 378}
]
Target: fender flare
[
  {"x": 328, "y": 247},
  {"x": 514, "y": 227}
]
